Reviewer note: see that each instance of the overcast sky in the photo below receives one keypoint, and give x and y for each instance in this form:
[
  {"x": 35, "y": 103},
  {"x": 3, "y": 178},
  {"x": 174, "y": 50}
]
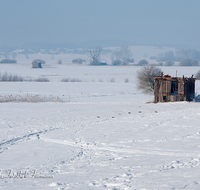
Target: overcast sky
[{"x": 139, "y": 21}]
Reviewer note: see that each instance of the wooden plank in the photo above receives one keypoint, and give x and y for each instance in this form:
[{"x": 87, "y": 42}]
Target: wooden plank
[{"x": 181, "y": 87}]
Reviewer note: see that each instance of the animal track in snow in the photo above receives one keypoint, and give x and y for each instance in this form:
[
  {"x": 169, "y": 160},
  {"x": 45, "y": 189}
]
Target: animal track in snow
[
  {"x": 16, "y": 140},
  {"x": 194, "y": 162}
]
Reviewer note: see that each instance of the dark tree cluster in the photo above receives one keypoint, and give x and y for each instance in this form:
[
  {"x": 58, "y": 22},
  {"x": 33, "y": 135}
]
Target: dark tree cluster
[
  {"x": 189, "y": 62},
  {"x": 190, "y": 57}
]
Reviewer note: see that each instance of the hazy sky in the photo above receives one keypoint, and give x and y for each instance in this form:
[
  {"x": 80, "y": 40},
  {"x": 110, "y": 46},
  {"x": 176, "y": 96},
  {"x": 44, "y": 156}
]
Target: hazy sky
[{"x": 139, "y": 21}]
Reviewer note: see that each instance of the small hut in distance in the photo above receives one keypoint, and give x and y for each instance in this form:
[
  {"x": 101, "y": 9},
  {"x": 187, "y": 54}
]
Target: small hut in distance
[
  {"x": 172, "y": 89},
  {"x": 36, "y": 64}
]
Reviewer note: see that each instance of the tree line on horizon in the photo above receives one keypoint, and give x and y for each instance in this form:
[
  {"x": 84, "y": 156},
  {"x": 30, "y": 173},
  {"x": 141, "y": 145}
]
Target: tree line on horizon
[
  {"x": 123, "y": 56},
  {"x": 190, "y": 57}
]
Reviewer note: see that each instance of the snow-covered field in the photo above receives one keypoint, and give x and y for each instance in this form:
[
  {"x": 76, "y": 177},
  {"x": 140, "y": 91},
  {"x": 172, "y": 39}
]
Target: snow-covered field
[{"x": 104, "y": 135}]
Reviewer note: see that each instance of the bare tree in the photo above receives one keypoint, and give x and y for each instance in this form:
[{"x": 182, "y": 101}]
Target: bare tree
[
  {"x": 145, "y": 81},
  {"x": 121, "y": 56},
  {"x": 94, "y": 55}
]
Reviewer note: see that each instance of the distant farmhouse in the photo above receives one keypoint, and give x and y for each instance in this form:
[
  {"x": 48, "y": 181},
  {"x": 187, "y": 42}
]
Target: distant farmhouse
[
  {"x": 36, "y": 64},
  {"x": 172, "y": 89},
  {"x": 102, "y": 62}
]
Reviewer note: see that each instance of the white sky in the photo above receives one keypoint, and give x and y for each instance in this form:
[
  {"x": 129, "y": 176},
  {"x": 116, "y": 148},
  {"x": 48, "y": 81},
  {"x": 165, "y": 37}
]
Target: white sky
[{"x": 141, "y": 21}]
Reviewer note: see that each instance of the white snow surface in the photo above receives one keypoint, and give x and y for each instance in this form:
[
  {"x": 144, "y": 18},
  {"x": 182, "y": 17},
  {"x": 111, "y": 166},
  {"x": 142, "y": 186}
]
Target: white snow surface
[{"x": 104, "y": 135}]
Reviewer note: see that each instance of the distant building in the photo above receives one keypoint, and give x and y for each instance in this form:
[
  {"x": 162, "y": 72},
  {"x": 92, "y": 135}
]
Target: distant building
[
  {"x": 102, "y": 62},
  {"x": 171, "y": 89},
  {"x": 36, "y": 64}
]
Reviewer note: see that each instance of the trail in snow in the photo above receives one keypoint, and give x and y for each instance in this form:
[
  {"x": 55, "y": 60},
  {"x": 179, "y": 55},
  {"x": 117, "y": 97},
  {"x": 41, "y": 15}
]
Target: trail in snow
[{"x": 107, "y": 137}]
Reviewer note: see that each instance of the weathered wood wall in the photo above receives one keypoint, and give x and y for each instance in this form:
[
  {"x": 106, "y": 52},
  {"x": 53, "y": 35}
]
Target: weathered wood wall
[{"x": 173, "y": 89}]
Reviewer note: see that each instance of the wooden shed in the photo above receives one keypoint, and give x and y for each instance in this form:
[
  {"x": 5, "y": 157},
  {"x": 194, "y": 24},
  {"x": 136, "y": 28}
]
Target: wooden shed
[
  {"x": 172, "y": 89},
  {"x": 36, "y": 64}
]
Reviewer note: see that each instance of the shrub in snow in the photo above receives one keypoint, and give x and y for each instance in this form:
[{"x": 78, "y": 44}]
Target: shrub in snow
[
  {"x": 169, "y": 63},
  {"x": 71, "y": 80},
  {"x": 112, "y": 80},
  {"x": 59, "y": 61},
  {"x": 75, "y": 80},
  {"x": 145, "y": 81},
  {"x": 42, "y": 80},
  {"x": 95, "y": 63},
  {"x": 126, "y": 80},
  {"x": 8, "y": 61},
  {"x": 125, "y": 62},
  {"x": 31, "y": 98},
  {"x": 65, "y": 80},
  {"x": 116, "y": 62},
  {"x": 142, "y": 62},
  {"x": 5, "y": 77}
]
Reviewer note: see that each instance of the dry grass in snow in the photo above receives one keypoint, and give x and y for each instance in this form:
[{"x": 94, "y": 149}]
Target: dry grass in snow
[{"x": 31, "y": 98}]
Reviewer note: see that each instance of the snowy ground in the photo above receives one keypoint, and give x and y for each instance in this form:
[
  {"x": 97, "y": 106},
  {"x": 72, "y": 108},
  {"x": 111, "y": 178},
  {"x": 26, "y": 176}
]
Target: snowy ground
[{"x": 104, "y": 136}]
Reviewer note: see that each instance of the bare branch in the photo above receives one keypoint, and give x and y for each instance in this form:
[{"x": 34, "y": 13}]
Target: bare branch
[
  {"x": 145, "y": 81},
  {"x": 121, "y": 56},
  {"x": 95, "y": 53}
]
